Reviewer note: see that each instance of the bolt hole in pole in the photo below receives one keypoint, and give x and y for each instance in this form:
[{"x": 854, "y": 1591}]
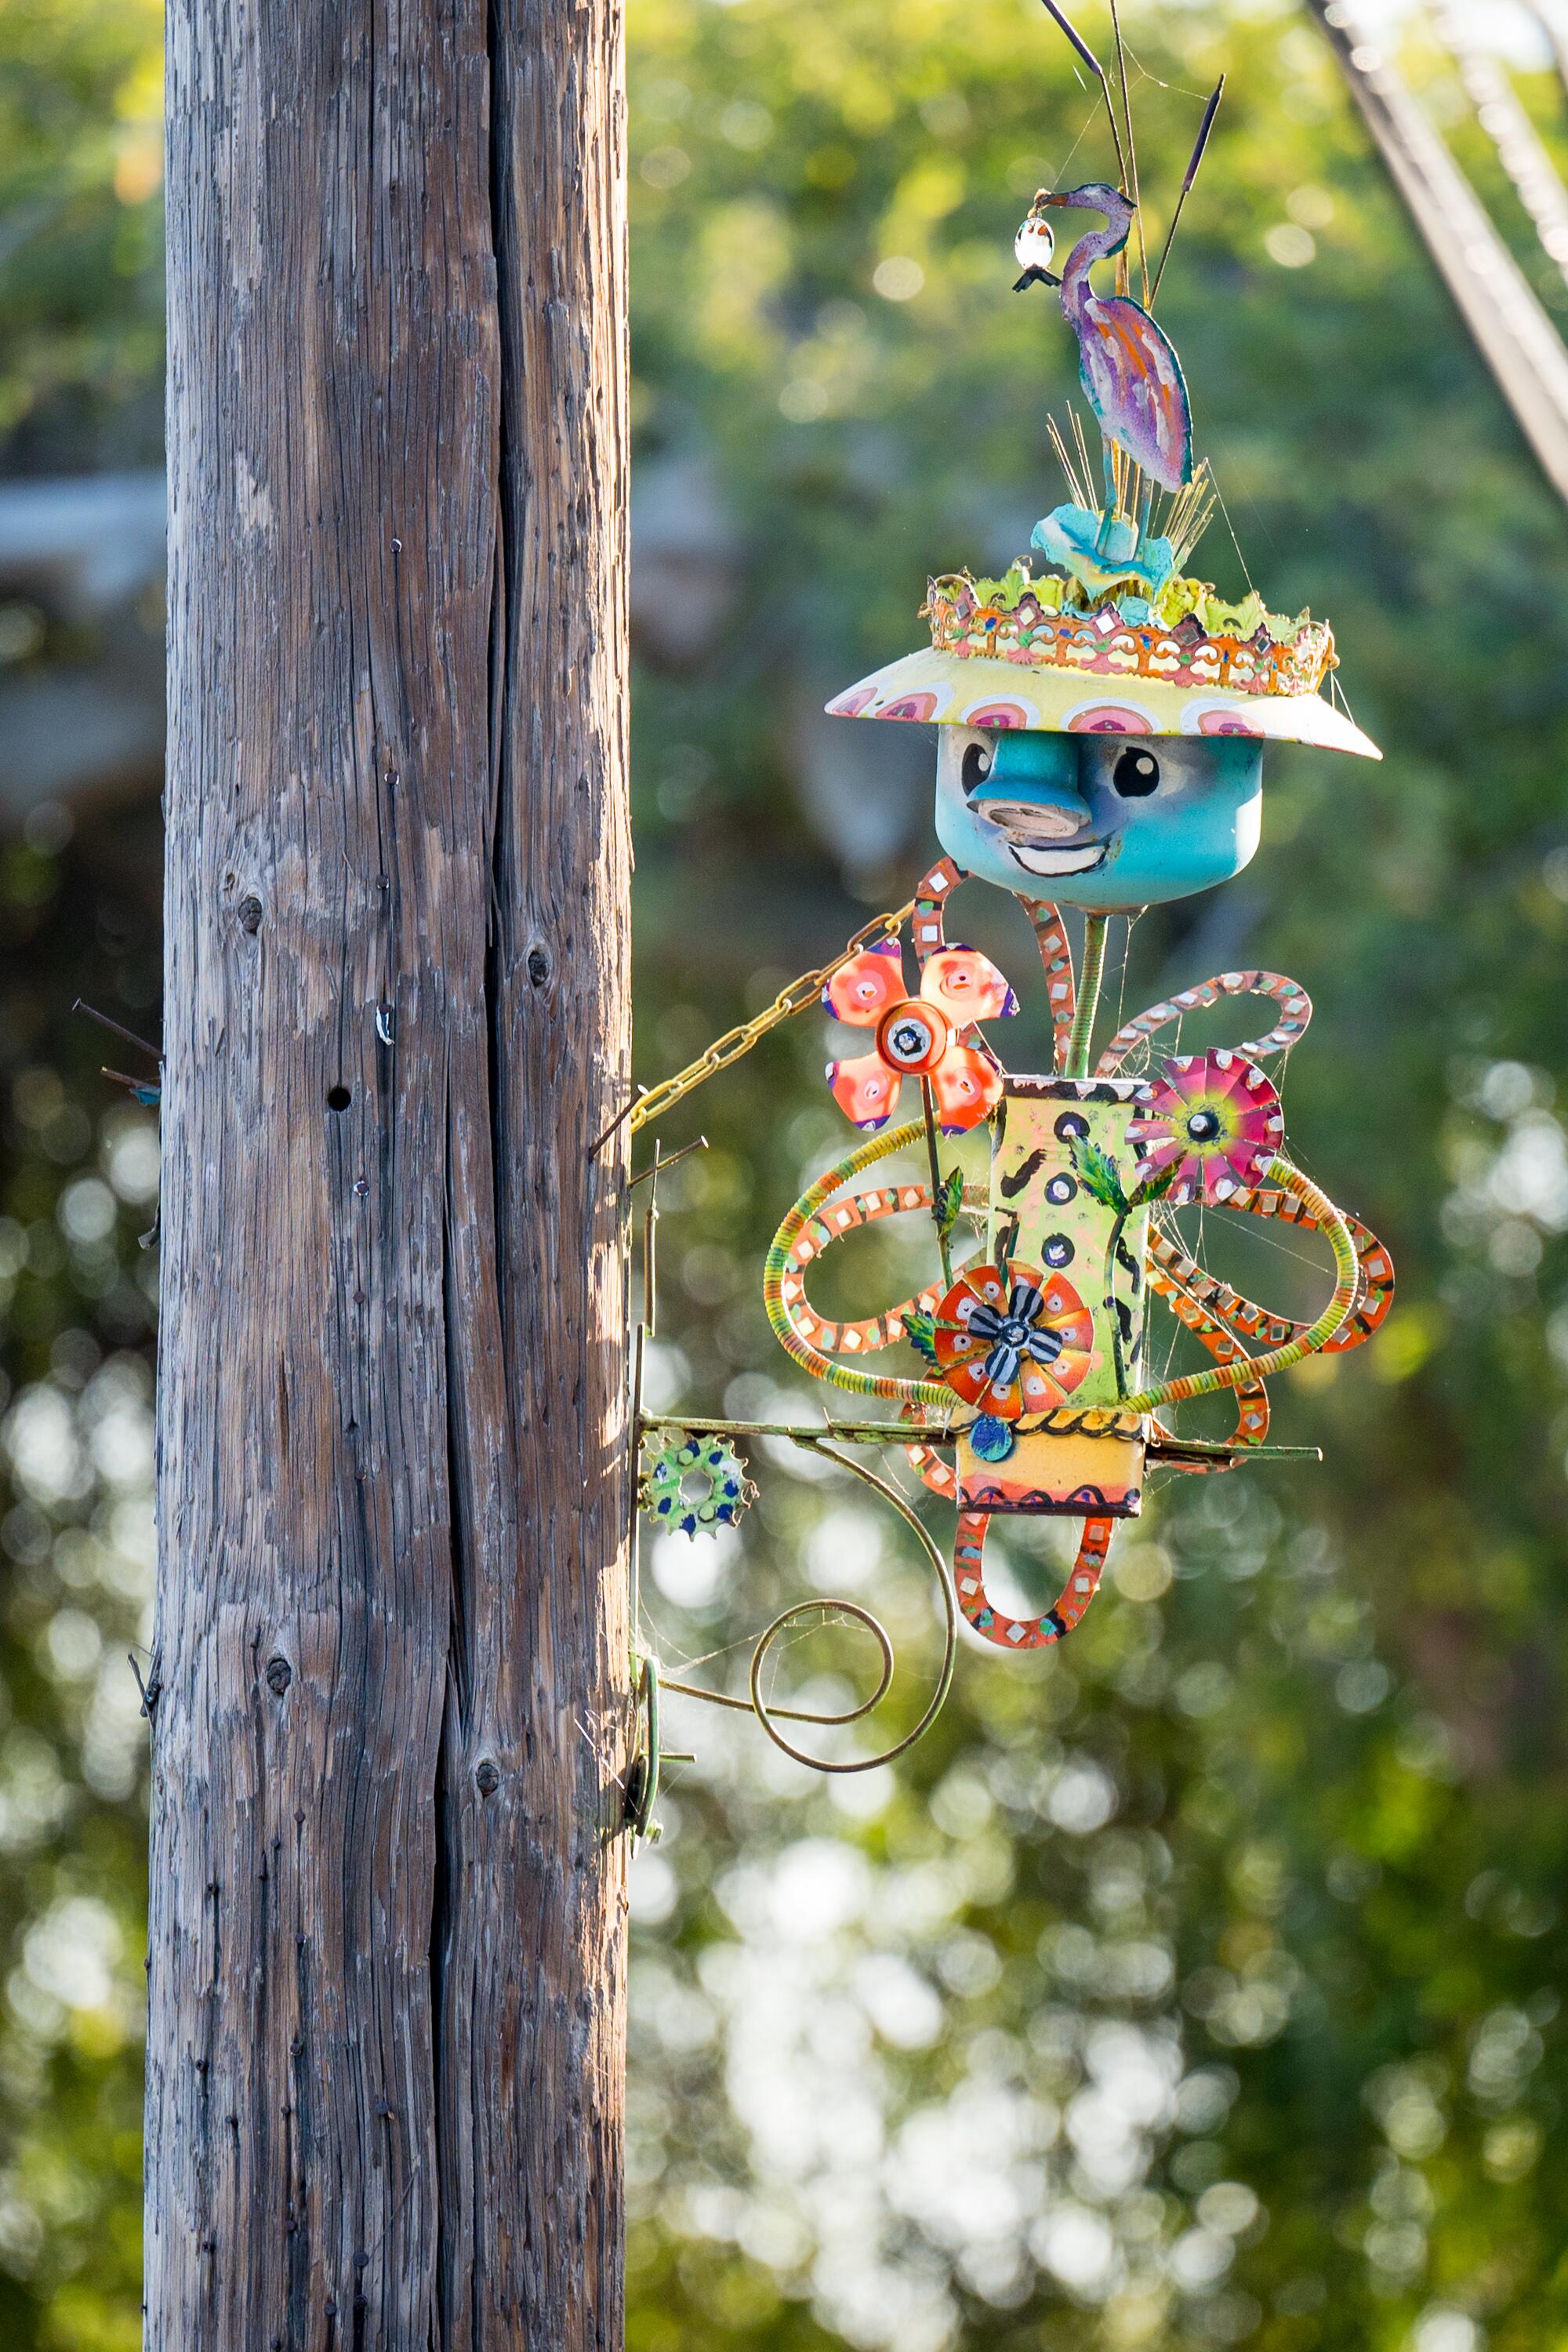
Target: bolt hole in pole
[{"x": 337, "y": 1097}]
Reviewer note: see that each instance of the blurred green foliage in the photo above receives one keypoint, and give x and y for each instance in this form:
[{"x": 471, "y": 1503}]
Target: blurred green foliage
[
  {"x": 1195, "y": 1985},
  {"x": 81, "y": 156},
  {"x": 80, "y": 364}
]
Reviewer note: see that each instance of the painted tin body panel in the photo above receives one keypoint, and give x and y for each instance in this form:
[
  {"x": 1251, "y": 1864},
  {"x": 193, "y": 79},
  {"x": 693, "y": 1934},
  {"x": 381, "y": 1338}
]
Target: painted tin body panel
[{"x": 1043, "y": 1212}]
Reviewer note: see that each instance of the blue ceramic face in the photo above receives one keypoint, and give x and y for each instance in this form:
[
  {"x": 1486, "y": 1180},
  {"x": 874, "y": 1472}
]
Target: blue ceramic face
[{"x": 1103, "y": 822}]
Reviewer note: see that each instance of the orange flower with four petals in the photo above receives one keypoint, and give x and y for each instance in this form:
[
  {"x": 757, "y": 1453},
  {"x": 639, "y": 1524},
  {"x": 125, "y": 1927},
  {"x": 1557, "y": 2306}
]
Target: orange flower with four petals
[{"x": 917, "y": 1037}]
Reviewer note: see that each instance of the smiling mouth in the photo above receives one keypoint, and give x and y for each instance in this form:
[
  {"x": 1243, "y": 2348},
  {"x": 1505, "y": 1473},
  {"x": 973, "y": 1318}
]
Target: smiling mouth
[{"x": 1058, "y": 861}]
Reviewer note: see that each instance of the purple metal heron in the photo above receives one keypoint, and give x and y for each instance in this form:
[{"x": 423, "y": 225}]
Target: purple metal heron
[{"x": 1128, "y": 365}]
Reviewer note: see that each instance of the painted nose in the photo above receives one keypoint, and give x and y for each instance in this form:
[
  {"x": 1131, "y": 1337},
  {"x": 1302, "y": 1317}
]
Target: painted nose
[{"x": 1034, "y": 811}]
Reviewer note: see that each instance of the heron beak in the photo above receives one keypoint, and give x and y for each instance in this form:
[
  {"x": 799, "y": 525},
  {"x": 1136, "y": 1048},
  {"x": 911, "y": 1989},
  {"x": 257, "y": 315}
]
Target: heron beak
[{"x": 1068, "y": 200}]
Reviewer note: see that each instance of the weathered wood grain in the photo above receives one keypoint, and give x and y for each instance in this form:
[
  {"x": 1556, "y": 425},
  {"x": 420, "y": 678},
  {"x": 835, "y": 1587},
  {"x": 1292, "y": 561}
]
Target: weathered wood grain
[{"x": 387, "y": 1901}]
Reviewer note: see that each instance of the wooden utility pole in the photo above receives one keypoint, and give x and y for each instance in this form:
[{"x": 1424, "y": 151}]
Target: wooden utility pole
[{"x": 390, "y": 1714}]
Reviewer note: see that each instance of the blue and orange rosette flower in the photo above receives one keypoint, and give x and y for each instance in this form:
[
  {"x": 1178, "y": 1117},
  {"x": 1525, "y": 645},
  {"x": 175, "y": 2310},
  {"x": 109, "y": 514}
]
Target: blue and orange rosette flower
[
  {"x": 1011, "y": 1341},
  {"x": 1211, "y": 1122},
  {"x": 917, "y": 1037}
]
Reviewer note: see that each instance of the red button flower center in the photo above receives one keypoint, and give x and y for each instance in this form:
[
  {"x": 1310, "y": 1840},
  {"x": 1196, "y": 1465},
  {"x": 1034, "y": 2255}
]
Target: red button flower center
[{"x": 913, "y": 1036}]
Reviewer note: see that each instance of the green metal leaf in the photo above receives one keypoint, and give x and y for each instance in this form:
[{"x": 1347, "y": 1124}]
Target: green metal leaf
[
  {"x": 919, "y": 1330},
  {"x": 949, "y": 1201},
  {"x": 1098, "y": 1175}
]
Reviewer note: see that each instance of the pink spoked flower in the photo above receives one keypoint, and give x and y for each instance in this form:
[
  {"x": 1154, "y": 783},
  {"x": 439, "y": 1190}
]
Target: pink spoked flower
[
  {"x": 1210, "y": 1121},
  {"x": 917, "y": 1037}
]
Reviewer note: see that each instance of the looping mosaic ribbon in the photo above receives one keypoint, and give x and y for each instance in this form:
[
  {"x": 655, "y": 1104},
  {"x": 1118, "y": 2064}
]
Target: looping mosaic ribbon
[
  {"x": 1053, "y": 1625},
  {"x": 1307, "y": 1342},
  {"x": 1170, "y": 1266},
  {"x": 1295, "y": 1013},
  {"x": 783, "y": 1290}
]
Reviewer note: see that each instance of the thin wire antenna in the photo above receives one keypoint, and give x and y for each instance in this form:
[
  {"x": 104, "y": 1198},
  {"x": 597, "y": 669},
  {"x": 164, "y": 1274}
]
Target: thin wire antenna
[
  {"x": 1144, "y": 74},
  {"x": 1077, "y": 482},
  {"x": 1082, "y": 439},
  {"x": 1061, "y": 18},
  {"x": 1200, "y": 144},
  {"x": 1236, "y": 542},
  {"x": 1185, "y": 516},
  {"x": 1132, "y": 147},
  {"x": 1089, "y": 123}
]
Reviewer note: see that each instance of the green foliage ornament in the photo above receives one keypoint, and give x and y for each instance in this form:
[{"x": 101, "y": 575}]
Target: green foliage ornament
[
  {"x": 950, "y": 1201},
  {"x": 694, "y": 1483}
]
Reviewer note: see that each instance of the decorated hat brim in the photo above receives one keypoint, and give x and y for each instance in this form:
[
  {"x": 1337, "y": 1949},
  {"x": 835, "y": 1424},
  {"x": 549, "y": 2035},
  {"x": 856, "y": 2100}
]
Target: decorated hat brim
[{"x": 944, "y": 689}]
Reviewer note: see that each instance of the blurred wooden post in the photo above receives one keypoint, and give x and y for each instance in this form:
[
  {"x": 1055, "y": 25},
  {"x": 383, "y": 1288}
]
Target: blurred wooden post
[
  {"x": 1505, "y": 319},
  {"x": 391, "y": 1715}
]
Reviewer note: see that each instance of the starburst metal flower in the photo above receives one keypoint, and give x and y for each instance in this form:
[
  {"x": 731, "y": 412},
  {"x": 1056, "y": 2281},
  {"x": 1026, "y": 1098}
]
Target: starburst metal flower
[
  {"x": 1211, "y": 1122},
  {"x": 1012, "y": 1341},
  {"x": 917, "y": 1037}
]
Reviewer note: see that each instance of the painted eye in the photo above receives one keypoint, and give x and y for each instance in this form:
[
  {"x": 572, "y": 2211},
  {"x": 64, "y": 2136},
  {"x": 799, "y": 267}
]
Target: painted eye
[
  {"x": 978, "y": 759},
  {"x": 1136, "y": 774}
]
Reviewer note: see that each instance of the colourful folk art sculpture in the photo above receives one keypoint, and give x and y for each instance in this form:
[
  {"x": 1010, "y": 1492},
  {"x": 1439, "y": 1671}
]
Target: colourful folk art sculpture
[{"x": 1100, "y": 721}]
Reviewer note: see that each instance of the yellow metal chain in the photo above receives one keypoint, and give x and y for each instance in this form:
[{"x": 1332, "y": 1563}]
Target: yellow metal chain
[{"x": 736, "y": 1042}]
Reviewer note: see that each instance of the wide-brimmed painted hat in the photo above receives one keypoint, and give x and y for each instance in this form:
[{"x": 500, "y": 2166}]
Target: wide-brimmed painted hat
[
  {"x": 1048, "y": 652},
  {"x": 947, "y": 689}
]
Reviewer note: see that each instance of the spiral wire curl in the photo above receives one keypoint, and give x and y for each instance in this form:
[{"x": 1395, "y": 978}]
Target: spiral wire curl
[{"x": 769, "y": 1717}]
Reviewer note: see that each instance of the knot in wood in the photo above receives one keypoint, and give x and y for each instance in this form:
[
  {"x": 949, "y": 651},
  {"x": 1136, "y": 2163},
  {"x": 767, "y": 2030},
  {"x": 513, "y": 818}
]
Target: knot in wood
[
  {"x": 488, "y": 1778},
  {"x": 250, "y": 913},
  {"x": 279, "y": 1674},
  {"x": 539, "y": 966}
]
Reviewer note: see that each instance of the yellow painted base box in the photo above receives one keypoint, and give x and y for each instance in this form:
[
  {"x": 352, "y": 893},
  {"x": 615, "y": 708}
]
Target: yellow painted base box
[{"x": 1049, "y": 1472}]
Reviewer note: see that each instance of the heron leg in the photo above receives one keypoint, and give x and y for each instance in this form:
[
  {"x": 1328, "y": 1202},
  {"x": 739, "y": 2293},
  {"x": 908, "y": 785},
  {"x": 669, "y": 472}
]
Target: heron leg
[
  {"x": 1146, "y": 516},
  {"x": 1108, "y": 511}
]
